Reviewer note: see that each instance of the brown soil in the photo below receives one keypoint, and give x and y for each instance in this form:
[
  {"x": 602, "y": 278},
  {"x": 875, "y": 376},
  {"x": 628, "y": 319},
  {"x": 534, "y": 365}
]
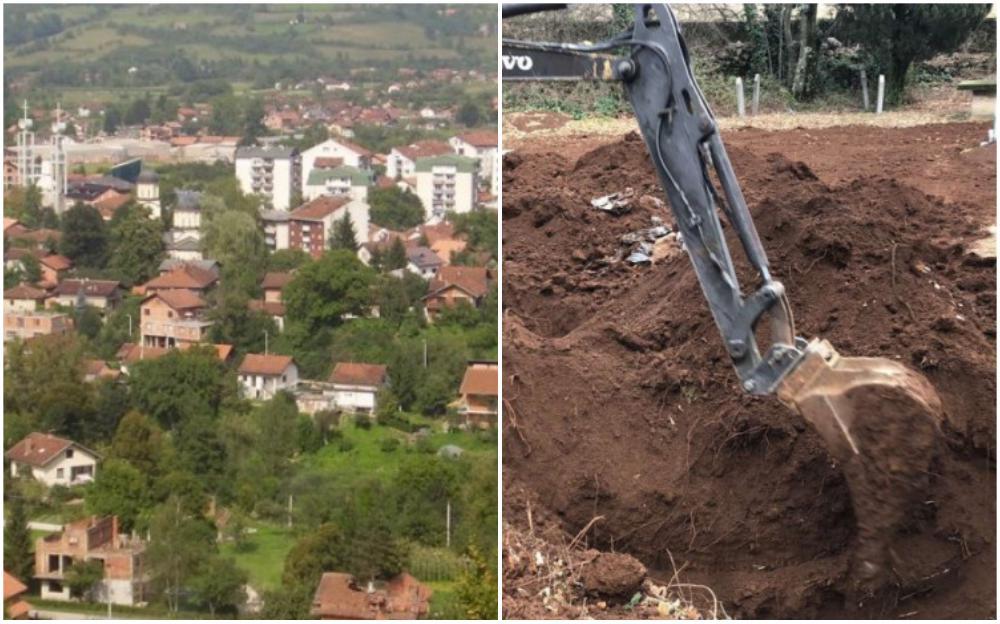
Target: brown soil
[{"x": 621, "y": 402}]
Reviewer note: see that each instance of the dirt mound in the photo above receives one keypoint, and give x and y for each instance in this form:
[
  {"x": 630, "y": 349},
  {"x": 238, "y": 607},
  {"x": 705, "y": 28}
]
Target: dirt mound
[{"x": 622, "y": 403}]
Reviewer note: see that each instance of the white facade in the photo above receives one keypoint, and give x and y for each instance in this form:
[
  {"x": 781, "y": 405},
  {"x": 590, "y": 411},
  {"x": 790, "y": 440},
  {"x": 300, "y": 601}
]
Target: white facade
[
  {"x": 264, "y": 387},
  {"x": 354, "y": 398},
  {"x": 332, "y": 148},
  {"x": 275, "y": 230},
  {"x": 74, "y": 466},
  {"x": 148, "y": 195},
  {"x": 273, "y": 173},
  {"x": 336, "y": 187},
  {"x": 488, "y": 156},
  {"x": 399, "y": 165},
  {"x": 445, "y": 189}
]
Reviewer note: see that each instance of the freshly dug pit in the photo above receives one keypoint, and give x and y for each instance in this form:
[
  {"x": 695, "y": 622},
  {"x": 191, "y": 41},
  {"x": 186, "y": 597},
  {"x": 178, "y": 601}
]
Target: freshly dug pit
[{"x": 621, "y": 402}]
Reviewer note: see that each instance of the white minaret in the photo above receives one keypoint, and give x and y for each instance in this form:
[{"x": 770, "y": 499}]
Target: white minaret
[
  {"x": 26, "y": 175},
  {"x": 60, "y": 166},
  {"x": 147, "y": 191}
]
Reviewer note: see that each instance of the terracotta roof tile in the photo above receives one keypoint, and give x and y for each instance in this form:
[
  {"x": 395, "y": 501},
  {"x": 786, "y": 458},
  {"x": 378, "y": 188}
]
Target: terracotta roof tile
[
  {"x": 258, "y": 364},
  {"x": 38, "y": 449},
  {"x": 480, "y": 138},
  {"x": 130, "y": 353},
  {"x": 56, "y": 262},
  {"x": 276, "y": 280},
  {"x": 90, "y": 288},
  {"x": 420, "y": 149},
  {"x": 357, "y": 374},
  {"x": 473, "y": 280},
  {"x": 338, "y": 596},
  {"x": 185, "y": 276},
  {"x": 24, "y": 291},
  {"x": 12, "y": 586},
  {"x": 480, "y": 380},
  {"x": 273, "y": 308},
  {"x": 319, "y": 208}
]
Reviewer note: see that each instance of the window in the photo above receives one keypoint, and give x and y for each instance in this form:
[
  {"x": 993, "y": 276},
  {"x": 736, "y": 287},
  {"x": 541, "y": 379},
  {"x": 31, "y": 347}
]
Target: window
[
  {"x": 170, "y": 314},
  {"x": 145, "y": 312},
  {"x": 53, "y": 563},
  {"x": 69, "y": 453},
  {"x": 55, "y": 587},
  {"x": 59, "y": 473}
]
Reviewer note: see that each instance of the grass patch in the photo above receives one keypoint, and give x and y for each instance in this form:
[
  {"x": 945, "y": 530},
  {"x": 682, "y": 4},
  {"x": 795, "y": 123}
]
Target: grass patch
[
  {"x": 117, "y": 611},
  {"x": 264, "y": 557},
  {"x": 444, "y": 600}
]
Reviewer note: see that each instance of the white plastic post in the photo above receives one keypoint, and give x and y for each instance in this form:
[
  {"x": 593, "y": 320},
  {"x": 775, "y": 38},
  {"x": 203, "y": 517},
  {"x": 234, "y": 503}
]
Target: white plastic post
[
  {"x": 881, "y": 94},
  {"x": 756, "y": 95},
  {"x": 741, "y": 107},
  {"x": 864, "y": 88}
]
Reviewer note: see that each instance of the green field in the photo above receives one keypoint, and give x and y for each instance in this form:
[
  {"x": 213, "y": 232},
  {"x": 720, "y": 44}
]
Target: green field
[{"x": 264, "y": 556}]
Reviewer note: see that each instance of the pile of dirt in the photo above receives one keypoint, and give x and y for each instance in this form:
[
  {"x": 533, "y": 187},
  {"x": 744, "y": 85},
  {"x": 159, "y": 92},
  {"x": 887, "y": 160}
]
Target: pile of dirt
[{"x": 620, "y": 401}]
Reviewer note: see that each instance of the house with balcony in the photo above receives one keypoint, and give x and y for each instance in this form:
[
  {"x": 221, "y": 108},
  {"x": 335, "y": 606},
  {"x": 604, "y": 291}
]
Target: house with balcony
[
  {"x": 52, "y": 460},
  {"x": 479, "y": 394},
  {"x": 274, "y": 173},
  {"x": 342, "y": 181},
  {"x": 125, "y": 578},
  {"x": 189, "y": 276},
  {"x": 448, "y": 183},
  {"x": 481, "y": 145},
  {"x": 173, "y": 318}
]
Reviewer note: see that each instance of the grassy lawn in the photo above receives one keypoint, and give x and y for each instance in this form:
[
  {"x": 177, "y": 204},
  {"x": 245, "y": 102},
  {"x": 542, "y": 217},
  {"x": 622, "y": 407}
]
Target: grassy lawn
[
  {"x": 366, "y": 456},
  {"x": 443, "y": 600},
  {"x": 117, "y": 612},
  {"x": 265, "y": 558}
]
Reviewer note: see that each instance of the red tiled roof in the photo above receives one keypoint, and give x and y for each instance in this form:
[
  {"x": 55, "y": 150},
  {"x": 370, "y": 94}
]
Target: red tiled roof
[
  {"x": 179, "y": 299},
  {"x": 184, "y": 276},
  {"x": 480, "y": 138},
  {"x": 90, "y": 288},
  {"x": 357, "y": 374},
  {"x": 38, "y": 449},
  {"x": 258, "y": 364},
  {"x": 421, "y": 149},
  {"x": 130, "y": 353},
  {"x": 7, "y": 223},
  {"x": 338, "y": 596},
  {"x": 276, "y": 280},
  {"x": 480, "y": 380},
  {"x": 319, "y": 208},
  {"x": 24, "y": 291},
  {"x": 328, "y": 162},
  {"x": 109, "y": 203},
  {"x": 354, "y": 147},
  {"x": 20, "y": 610},
  {"x": 56, "y": 262},
  {"x": 222, "y": 350},
  {"x": 473, "y": 280},
  {"x": 12, "y": 586}
]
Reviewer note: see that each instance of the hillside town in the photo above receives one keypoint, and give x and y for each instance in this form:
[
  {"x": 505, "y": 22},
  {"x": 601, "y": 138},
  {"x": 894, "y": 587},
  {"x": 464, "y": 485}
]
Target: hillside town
[{"x": 252, "y": 370}]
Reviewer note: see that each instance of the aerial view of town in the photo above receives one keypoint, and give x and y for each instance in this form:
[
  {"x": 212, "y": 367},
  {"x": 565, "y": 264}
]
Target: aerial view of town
[{"x": 250, "y": 311}]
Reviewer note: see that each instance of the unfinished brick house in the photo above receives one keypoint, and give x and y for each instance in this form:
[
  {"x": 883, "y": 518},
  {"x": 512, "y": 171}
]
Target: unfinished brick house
[{"x": 90, "y": 539}]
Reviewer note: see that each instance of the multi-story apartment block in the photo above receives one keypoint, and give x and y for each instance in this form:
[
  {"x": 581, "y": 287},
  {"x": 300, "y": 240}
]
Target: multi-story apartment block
[
  {"x": 402, "y": 161},
  {"x": 93, "y": 539},
  {"x": 342, "y": 181},
  {"x": 275, "y": 173},
  {"x": 481, "y": 145},
  {"x": 311, "y": 225},
  {"x": 334, "y": 153},
  {"x": 275, "y": 224},
  {"x": 447, "y": 183}
]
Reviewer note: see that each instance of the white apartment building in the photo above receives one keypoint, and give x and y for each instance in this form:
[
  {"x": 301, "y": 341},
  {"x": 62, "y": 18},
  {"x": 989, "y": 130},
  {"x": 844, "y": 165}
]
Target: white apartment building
[
  {"x": 447, "y": 183},
  {"x": 147, "y": 192},
  {"x": 342, "y": 181},
  {"x": 402, "y": 161},
  {"x": 481, "y": 145},
  {"x": 274, "y": 173},
  {"x": 334, "y": 153},
  {"x": 275, "y": 224}
]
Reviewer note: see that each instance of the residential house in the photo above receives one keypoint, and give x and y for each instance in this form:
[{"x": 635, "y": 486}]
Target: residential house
[
  {"x": 14, "y": 608},
  {"x": 274, "y": 173},
  {"x": 52, "y": 460},
  {"x": 24, "y": 298},
  {"x": 125, "y": 579},
  {"x": 189, "y": 276},
  {"x": 28, "y": 325},
  {"x": 311, "y": 225},
  {"x": 271, "y": 304},
  {"x": 97, "y": 370},
  {"x": 482, "y": 145},
  {"x": 446, "y": 184},
  {"x": 130, "y": 353},
  {"x": 454, "y": 284},
  {"x": 441, "y": 238},
  {"x": 402, "y": 161},
  {"x": 423, "y": 262},
  {"x": 342, "y": 181},
  {"x": 348, "y": 153},
  {"x": 479, "y": 394},
  {"x": 263, "y": 376},
  {"x": 54, "y": 267},
  {"x": 339, "y": 597},
  {"x": 275, "y": 223},
  {"x": 355, "y": 386},
  {"x": 105, "y": 295},
  {"x": 173, "y": 317}
]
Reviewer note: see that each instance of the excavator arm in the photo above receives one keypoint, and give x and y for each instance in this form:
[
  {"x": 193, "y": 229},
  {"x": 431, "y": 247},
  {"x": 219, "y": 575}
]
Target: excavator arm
[{"x": 859, "y": 406}]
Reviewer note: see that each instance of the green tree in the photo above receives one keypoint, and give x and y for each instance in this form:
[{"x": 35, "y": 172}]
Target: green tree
[
  {"x": 18, "y": 550},
  {"x": 179, "y": 546},
  {"x": 253, "y": 121},
  {"x": 287, "y": 260},
  {"x": 468, "y": 114},
  {"x": 84, "y": 236},
  {"x": 477, "y": 589},
  {"x": 137, "y": 245},
  {"x": 234, "y": 240},
  {"x": 119, "y": 489},
  {"x": 88, "y": 321},
  {"x": 218, "y": 585},
  {"x": 138, "y": 111},
  {"x": 277, "y": 424},
  {"x": 326, "y": 290},
  {"x": 138, "y": 441},
  {"x": 898, "y": 35},
  {"x": 395, "y": 256},
  {"x": 31, "y": 269},
  {"x": 82, "y": 576},
  {"x": 238, "y": 325},
  {"x": 394, "y": 208},
  {"x": 344, "y": 236},
  {"x": 180, "y": 384}
]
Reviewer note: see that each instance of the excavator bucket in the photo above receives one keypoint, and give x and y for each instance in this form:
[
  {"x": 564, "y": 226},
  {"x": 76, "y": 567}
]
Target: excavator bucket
[{"x": 880, "y": 421}]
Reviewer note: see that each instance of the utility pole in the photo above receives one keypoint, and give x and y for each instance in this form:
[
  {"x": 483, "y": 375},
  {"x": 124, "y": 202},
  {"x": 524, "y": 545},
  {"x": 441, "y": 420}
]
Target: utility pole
[
  {"x": 289, "y": 511},
  {"x": 425, "y": 353},
  {"x": 129, "y": 325},
  {"x": 447, "y": 524},
  {"x": 265, "y": 342},
  {"x": 741, "y": 108}
]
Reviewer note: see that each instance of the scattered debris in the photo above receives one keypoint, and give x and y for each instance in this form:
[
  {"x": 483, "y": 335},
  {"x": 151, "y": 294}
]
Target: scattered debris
[{"x": 615, "y": 203}]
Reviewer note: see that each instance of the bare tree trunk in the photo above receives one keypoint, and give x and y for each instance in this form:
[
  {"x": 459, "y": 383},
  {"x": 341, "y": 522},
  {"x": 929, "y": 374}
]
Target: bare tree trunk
[
  {"x": 807, "y": 48},
  {"x": 787, "y": 44}
]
